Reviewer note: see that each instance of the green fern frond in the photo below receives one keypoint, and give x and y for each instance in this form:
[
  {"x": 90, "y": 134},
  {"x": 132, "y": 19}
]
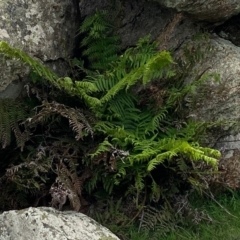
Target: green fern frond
[
  {"x": 12, "y": 113},
  {"x": 36, "y": 66},
  {"x": 101, "y": 47},
  {"x": 90, "y": 21},
  {"x": 139, "y": 181},
  {"x": 156, "y": 121},
  {"x": 152, "y": 68},
  {"x": 91, "y": 184},
  {"x": 80, "y": 89},
  {"x": 103, "y": 147},
  {"x": 156, "y": 67},
  {"x": 164, "y": 150},
  {"x": 155, "y": 191},
  {"x": 160, "y": 158},
  {"x": 108, "y": 183}
]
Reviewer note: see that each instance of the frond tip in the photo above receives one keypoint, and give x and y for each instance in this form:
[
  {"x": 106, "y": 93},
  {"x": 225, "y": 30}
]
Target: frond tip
[{"x": 166, "y": 149}]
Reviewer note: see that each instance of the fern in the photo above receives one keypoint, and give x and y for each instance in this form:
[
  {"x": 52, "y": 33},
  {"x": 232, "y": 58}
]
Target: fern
[
  {"x": 166, "y": 149},
  {"x": 80, "y": 89},
  {"x": 101, "y": 47},
  {"x": 41, "y": 70},
  {"x": 25, "y": 180},
  {"x": 67, "y": 185},
  {"x": 152, "y": 69},
  {"x": 161, "y": 221},
  {"x": 135, "y": 97},
  {"x": 12, "y": 113}
]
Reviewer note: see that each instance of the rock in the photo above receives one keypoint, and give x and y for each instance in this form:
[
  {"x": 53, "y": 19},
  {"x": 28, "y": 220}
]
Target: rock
[
  {"x": 47, "y": 223},
  {"x": 205, "y": 10},
  {"x": 138, "y": 18},
  {"x": 230, "y": 30},
  {"x": 44, "y": 29},
  {"x": 218, "y": 102}
]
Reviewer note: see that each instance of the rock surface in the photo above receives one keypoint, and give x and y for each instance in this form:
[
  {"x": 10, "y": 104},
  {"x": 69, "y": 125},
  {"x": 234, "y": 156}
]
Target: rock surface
[
  {"x": 230, "y": 30},
  {"x": 218, "y": 102},
  {"x": 138, "y": 18},
  {"x": 205, "y": 10},
  {"x": 47, "y": 223},
  {"x": 44, "y": 29}
]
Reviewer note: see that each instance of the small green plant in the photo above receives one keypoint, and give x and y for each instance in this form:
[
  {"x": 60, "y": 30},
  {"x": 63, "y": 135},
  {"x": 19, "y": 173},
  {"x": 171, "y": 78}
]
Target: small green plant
[
  {"x": 97, "y": 29},
  {"x": 134, "y": 113}
]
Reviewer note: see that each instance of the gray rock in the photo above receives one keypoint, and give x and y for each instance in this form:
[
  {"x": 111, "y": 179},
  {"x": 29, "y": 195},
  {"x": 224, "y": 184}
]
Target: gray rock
[
  {"x": 44, "y": 29},
  {"x": 138, "y": 18},
  {"x": 47, "y": 223},
  {"x": 206, "y": 10},
  {"x": 217, "y": 101}
]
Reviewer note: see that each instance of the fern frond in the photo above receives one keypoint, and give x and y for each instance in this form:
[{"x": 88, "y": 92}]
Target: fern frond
[
  {"x": 167, "y": 149},
  {"x": 12, "y": 113},
  {"x": 80, "y": 89},
  {"x": 162, "y": 221},
  {"x": 102, "y": 48},
  {"x": 98, "y": 17},
  {"x": 108, "y": 183},
  {"x": 105, "y": 146},
  {"x": 160, "y": 158},
  {"x": 139, "y": 181},
  {"x": 155, "y": 191},
  {"x": 152, "y": 68},
  {"x": 36, "y": 66},
  {"x": 156, "y": 121}
]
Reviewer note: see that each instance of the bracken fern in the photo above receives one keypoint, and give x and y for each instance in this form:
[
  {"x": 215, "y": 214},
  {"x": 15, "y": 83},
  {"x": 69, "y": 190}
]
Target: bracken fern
[{"x": 134, "y": 130}]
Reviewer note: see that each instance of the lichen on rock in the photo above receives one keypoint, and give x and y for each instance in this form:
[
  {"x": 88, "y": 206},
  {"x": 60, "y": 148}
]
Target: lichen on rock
[
  {"x": 205, "y": 10},
  {"x": 47, "y": 223},
  {"x": 44, "y": 29}
]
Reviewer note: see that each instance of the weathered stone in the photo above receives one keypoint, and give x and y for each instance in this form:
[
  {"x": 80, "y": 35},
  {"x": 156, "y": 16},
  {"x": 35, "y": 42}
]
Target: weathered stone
[
  {"x": 216, "y": 100},
  {"x": 230, "y": 30},
  {"x": 44, "y": 29},
  {"x": 138, "y": 18},
  {"x": 47, "y": 223},
  {"x": 206, "y": 10},
  {"x": 11, "y": 71}
]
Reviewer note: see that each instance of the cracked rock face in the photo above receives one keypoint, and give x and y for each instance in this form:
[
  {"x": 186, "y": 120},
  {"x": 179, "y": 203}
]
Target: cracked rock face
[
  {"x": 47, "y": 223},
  {"x": 136, "y": 19},
  {"x": 205, "y": 10},
  {"x": 230, "y": 30},
  {"x": 218, "y": 102},
  {"x": 44, "y": 29}
]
